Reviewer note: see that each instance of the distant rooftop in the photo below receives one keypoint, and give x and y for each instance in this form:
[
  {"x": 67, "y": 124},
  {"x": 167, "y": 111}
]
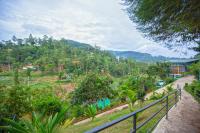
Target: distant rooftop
[{"x": 183, "y": 60}]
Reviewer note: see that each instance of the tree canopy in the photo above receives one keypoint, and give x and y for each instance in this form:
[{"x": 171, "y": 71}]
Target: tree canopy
[
  {"x": 92, "y": 88},
  {"x": 177, "y": 22}
]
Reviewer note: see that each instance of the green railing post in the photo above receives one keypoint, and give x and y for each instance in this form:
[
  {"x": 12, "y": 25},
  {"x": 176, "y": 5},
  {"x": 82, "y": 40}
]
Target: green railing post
[
  {"x": 175, "y": 98},
  {"x": 134, "y": 123},
  {"x": 167, "y": 107}
]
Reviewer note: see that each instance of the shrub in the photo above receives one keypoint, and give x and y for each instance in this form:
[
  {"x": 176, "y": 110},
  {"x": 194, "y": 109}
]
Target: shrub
[
  {"x": 60, "y": 75},
  {"x": 18, "y": 100},
  {"x": 195, "y": 69},
  {"x": 92, "y": 88},
  {"x": 39, "y": 124},
  {"x": 194, "y": 89},
  {"x": 49, "y": 104},
  {"x": 156, "y": 96},
  {"x": 169, "y": 80},
  {"x": 91, "y": 111},
  {"x": 76, "y": 111},
  {"x": 169, "y": 88}
]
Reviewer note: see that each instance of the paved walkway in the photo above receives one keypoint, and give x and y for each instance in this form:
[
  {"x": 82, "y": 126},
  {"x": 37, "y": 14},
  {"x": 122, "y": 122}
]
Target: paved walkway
[{"x": 185, "y": 118}]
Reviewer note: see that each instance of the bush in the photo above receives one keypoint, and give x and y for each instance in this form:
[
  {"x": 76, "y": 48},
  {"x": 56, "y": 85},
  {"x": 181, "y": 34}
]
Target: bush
[
  {"x": 76, "y": 111},
  {"x": 169, "y": 88},
  {"x": 91, "y": 111},
  {"x": 194, "y": 89},
  {"x": 14, "y": 101},
  {"x": 195, "y": 69},
  {"x": 169, "y": 80},
  {"x": 156, "y": 96},
  {"x": 39, "y": 124},
  {"x": 44, "y": 99},
  {"x": 48, "y": 104},
  {"x": 92, "y": 88}
]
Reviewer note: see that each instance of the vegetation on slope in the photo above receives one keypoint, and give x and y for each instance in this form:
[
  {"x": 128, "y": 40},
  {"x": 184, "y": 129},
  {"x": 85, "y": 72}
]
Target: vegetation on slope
[{"x": 47, "y": 75}]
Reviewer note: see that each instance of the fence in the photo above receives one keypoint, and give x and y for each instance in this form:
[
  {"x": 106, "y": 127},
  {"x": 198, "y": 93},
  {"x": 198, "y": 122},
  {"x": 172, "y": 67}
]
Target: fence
[{"x": 135, "y": 127}]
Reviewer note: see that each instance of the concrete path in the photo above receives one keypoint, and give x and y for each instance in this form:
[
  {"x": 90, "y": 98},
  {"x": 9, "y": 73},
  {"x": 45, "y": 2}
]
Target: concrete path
[
  {"x": 185, "y": 118},
  {"x": 180, "y": 81}
]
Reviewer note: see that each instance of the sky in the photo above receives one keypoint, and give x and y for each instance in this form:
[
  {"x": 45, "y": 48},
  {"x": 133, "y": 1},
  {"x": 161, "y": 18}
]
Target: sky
[{"x": 98, "y": 22}]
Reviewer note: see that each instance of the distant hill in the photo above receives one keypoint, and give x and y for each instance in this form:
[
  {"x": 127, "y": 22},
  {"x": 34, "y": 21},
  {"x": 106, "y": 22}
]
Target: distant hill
[
  {"x": 78, "y": 44},
  {"x": 144, "y": 57}
]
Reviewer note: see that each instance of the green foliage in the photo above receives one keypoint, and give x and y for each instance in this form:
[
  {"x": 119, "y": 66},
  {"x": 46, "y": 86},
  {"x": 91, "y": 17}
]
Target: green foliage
[
  {"x": 93, "y": 87},
  {"x": 159, "y": 69},
  {"x": 194, "y": 89},
  {"x": 157, "y": 96},
  {"x": 28, "y": 72},
  {"x": 16, "y": 76},
  {"x": 91, "y": 111},
  {"x": 47, "y": 103},
  {"x": 52, "y": 56},
  {"x": 195, "y": 70},
  {"x": 169, "y": 88},
  {"x": 38, "y": 124},
  {"x": 76, "y": 111},
  {"x": 132, "y": 97},
  {"x": 60, "y": 75},
  {"x": 4, "y": 96},
  {"x": 166, "y": 20},
  {"x": 135, "y": 88},
  {"x": 140, "y": 94},
  {"x": 15, "y": 101},
  {"x": 169, "y": 80}
]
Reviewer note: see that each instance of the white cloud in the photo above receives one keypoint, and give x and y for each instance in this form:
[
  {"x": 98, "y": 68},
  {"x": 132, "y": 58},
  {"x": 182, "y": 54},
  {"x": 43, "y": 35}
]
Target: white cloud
[{"x": 98, "y": 22}]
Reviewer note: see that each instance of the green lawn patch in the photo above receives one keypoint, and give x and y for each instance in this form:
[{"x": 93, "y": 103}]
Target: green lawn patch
[{"x": 126, "y": 125}]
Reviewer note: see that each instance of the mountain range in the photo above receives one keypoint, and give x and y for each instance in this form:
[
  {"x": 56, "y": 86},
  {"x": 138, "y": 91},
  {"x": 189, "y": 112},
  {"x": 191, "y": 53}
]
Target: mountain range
[{"x": 138, "y": 56}]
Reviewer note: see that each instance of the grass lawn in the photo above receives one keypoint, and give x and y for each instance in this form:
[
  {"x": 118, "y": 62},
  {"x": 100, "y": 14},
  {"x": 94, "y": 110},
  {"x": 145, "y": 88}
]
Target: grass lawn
[{"x": 126, "y": 125}]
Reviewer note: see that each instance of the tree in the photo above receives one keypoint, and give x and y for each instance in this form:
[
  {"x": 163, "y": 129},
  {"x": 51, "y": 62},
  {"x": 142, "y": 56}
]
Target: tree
[
  {"x": 167, "y": 20},
  {"x": 31, "y": 40},
  {"x": 28, "y": 73},
  {"x": 14, "y": 39},
  {"x": 197, "y": 49},
  {"x": 195, "y": 70},
  {"x": 18, "y": 101},
  {"x": 141, "y": 94},
  {"x": 93, "y": 87},
  {"x": 16, "y": 76}
]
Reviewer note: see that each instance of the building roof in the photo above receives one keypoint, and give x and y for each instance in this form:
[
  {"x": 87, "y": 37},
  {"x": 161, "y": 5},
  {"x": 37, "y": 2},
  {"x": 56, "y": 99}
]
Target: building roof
[{"x": 183, "y": 61}]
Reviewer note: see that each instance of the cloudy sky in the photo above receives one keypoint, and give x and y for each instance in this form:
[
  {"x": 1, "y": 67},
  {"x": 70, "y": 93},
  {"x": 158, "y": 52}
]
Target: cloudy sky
[{"x": 97, "y": 22}]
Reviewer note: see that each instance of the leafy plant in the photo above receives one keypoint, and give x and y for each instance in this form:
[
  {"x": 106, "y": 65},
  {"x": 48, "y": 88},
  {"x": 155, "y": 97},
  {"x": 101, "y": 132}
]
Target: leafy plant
[
  {"x": 169, "y": 88},
  {"x": 91, "y": 111},
  {"x": 157, "y": 96},
  {"x": 194, "y": 89},
  {"x": 18, "y": 100},
  {"x": 195, "y": 70},
  {"x": 39, "y": 124},
  {"x": 48, "y": 103},
  {"x": 131, "y": 99}
]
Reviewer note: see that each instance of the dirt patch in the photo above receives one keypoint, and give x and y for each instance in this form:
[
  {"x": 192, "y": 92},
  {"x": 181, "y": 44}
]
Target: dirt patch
[{"x": 68, "y": 87}]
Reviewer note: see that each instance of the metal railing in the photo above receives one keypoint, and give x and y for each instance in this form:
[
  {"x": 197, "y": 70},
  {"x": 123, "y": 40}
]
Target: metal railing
[{"x": 135, "y": 127}]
